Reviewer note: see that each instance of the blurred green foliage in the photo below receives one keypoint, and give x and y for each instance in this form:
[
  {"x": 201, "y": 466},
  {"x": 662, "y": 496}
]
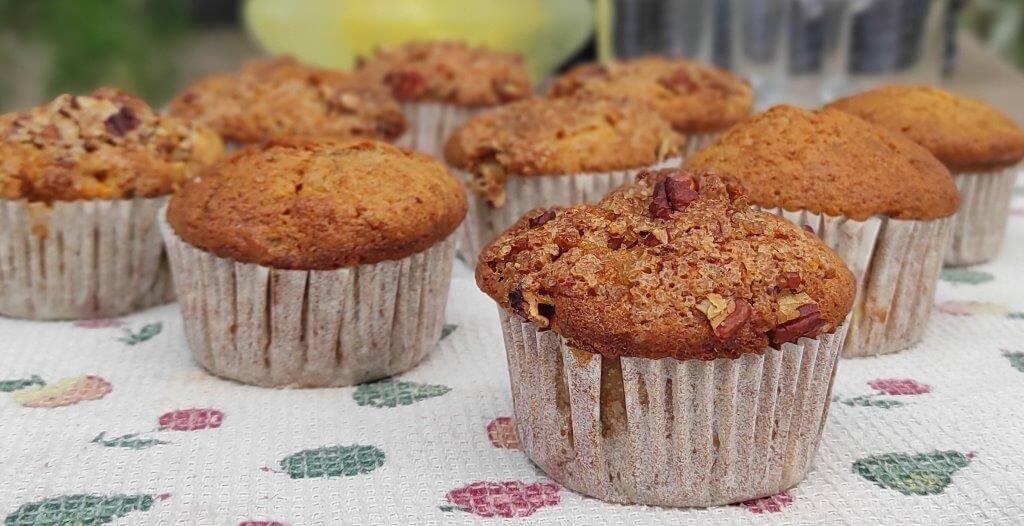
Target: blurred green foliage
[
  {"x": 1000, "y": 25},
  {"x": 89, "y": 43}
]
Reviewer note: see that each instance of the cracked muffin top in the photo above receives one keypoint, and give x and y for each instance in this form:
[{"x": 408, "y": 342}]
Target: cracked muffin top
[
  {"x": 282, "y": 97},
  {"x": 445, "y": 71},
  {"x": 693, "y": 97},
  {"x": 828, "y": 161},
  {"x": 965, "y": 134},
  {"x": 104, "y": 145},
  {"x": 676, "y": 265},
  {"x": 318, "y": 204},
  {"x": 558, "y": 136}
]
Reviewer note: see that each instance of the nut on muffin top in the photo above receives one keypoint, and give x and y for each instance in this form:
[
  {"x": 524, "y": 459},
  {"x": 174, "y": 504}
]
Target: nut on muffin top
[
  {"x": 447, "y": 71},
  {"x": 828, "y": 161},
  {"x": 676, "y": 265},
  {"x": 104, "y": 145},
  {"x": 964, "y": 133},
  {"x": 558, "y": 136},
  {"x": 319, "y": 204},
  {"x": 282, "y": 97},
  {"x": 695, "y": 98}
]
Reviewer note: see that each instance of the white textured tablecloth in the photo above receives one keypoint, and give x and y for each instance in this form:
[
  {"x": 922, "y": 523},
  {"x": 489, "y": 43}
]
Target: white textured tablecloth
[{"x": 129, "y": 430}]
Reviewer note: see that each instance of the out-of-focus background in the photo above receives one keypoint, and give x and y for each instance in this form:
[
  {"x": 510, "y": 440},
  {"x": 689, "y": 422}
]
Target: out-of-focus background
[{"x": 801, "y": 51}]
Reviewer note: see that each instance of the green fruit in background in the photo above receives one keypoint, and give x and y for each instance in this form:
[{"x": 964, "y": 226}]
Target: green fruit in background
[
  {"x": 391, "y": 393},
  {"x": 84, "y": 510},
  {"x": 333, "y": 461},
  {"x": 921, "y": 474},
  {"x": 335, "y": 32}
]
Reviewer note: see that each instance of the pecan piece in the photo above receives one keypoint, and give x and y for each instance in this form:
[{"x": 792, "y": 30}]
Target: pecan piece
[
  {"x": 790, "y": 280},
  {"x": 673, "y": 193},
  {"x": 405, "y": 83},
  {"x": 809, "y": 228},
  {"x": 727, "y": 316},
  {"x": 798, "y": 316},
  {"x": 679, "y": 81},
  {"x": 122, "y": 122},
  {"x": 541, "y": 218}
]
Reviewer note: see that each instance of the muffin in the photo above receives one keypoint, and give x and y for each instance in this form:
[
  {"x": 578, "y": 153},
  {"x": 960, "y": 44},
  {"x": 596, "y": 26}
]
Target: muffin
[
  {"x": 669, "y": 345},
  {"x": 980, "y": 146},
  {"x": 281, "y": 98},
  {"x": 699, "y": 101},
  {"x": 441, "y": 84},
  {"x": 81, "y": 180},
  {"x": 545, "y": 152},
  {"x": 314, "y": 262},
  {"x": 884, "y": 203}
]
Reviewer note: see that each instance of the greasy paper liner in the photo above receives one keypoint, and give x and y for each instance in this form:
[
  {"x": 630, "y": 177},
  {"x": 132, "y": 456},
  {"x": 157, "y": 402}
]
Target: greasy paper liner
[
  {"x": 896, "y": 265},
  {"x": 430, "y": 124},
  {"x": 81, "y": 259},
  {"x": 522, "y": 194},
  {"x": 668, "y": 432},
  {"x": 980, "y": 223},
  {"x": 318, "y": 328},
  {"x": 698, "y": 141}
]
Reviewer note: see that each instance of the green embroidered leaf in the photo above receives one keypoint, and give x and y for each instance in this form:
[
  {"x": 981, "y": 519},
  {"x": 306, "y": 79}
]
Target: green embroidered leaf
[
  {"x": 7, "y": 386},
  {"x": 920, "y": 474},
  {"x": 1016, "y": 315},
  {"x": 966, "y": 275},
  {"x": 448, "y": 329},
  {"x": 130, "y": 441},
  {"x": 78, "y": 510},
  {"x": 391, "y": 393},
  {"x": 333, "y": 461},
  {"x": 871, "y": 401},
  {"x": 1016, "y": 359},
  {"x": 145, "y": 333}
]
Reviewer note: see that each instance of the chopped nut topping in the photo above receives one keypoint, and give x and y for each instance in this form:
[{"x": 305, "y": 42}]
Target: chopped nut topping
[
  {"x": 541, "y": 218},
  {"x": 790, "y": 304},
  {"x": 122, "y": 122},
  {"x": 673, "y": 193},
  {"x": 798, "y": 316},
  {"x": 790, "y": 280},
  {"x": 727, "y": 316},
  {"x": 405, "y": 83},
  {"x": 679, "y": 81}
]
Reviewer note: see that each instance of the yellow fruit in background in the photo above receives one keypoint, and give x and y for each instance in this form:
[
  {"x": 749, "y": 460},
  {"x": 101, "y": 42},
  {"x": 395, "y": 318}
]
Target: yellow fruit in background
[{"x": 335, "y": 32}]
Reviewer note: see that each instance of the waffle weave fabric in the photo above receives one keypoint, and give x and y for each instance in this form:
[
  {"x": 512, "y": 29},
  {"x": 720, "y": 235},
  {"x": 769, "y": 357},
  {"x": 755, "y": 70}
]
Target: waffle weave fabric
[{"x": 111, "y": 422}]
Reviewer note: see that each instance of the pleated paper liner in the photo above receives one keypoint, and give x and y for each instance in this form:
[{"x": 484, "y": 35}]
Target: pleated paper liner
[
  {"x": 668, "y": 432},
  {"x": 980, "y": 223},
  {"x": 896, "y": 265},
  {"x": 298, "y": 328},
  {"x": 698, "y": 141},
  {"x": 81, "y": 259},
  {"x": 430, "y": 124},
  {"x": 522, "y": 194}
]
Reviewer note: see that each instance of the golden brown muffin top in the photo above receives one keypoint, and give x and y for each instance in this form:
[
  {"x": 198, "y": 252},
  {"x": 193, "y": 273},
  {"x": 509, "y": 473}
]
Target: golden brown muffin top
[
  {"x": 831, "y": 162},
  {"x": 104, "y": 145},
  {"x": 444, "y": 71},
  {"x": 965, "y": 134},
  {"x": 282, "y": 97},
  {"x": 675, "y": 265},
  {"x": 318, "y": 204},
  {"x": 558, "y": 136},
  {"x": 693, "y": 97}
]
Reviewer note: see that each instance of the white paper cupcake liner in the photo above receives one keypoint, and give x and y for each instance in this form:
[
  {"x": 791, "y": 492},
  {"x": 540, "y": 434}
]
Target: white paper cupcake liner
[
  {"x": 430, "y": 124},
  {"x": 980, "y": 223},
  {"x": 668, "y": 432},
  {"x": 522, "y": 194},
  {"x": 81, "y": 259},
  {"x": 697, "y": 141},
  {"x": 896, "y": 265},
  {"x": 316, "y": 328}
]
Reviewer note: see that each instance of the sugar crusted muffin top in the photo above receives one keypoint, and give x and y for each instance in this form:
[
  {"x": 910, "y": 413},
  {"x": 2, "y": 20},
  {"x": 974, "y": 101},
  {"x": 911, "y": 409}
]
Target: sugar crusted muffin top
[
  {"x": 828, "y": 161},
  {"x": 447, "y": 71},
  {"x": 693, "y": 97},
  {"x": 676, "y": 265},
  {"x": 104, "y": 145},
  {"x": 281, "y": 97},
  {"x": 318, "y": 204},
  {"x": 558, "y": 136},
  {"x": 964, "y": 133}
]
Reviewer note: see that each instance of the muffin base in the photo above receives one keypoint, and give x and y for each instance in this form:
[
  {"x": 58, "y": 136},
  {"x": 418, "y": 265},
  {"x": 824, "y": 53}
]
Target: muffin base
[
  {"x": 896, "y": 265},
  {"x": 522, "y": 194},
  {"x": 81, "y": 259},
  {"x": 310, "y": 328},
  {"x": 668, "y": 432},
  {"x": 430, "y": 124},
  {"x": 980, "y": 225}
]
